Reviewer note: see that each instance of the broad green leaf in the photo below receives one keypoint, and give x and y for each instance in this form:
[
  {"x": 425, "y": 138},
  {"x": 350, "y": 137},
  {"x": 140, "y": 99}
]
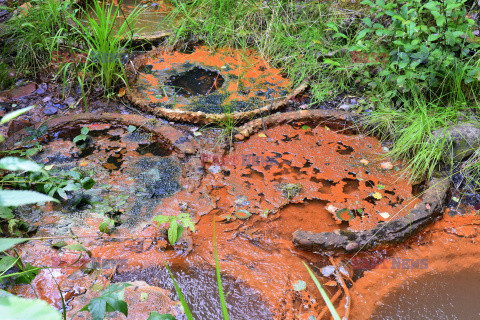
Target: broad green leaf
[
  {"x": 16, "y": 308},
  {"x": 154, "y": 315},
  {"x": 7, "y": 262},
  {"x": 162, "y": 219},
  {"x": 15, "y": 198},
  {"x": 88, "y": 183},
  {"x": 17, "y": 164},
  {"x": 97, "y": 308},
  {"x": 80, "y": 137},
  {"x": 7, "y": 243},
  {"x": 132, "y": 128},
  {"x": 173, "y": 232},
  {"x": 6, "y": 213},
  {"x": 84, "y": 130},
  {"x": 14, "y": 114}
]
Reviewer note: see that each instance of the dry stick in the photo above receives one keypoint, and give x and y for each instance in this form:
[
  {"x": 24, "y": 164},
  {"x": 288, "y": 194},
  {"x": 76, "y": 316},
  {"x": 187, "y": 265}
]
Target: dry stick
[
  {"x": 333, "y": 300},
  {"x": 338, "y": 277}
]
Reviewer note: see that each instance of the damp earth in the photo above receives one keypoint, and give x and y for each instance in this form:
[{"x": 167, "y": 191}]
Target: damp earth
[{"x": 151, "y": 154}]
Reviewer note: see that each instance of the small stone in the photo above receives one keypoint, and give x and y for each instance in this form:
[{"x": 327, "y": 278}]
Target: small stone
[
  {"x": 42, "y": 88},
  {"x": 46, "y": 99},
  {"x": 351, "y": 246},
  {"x": 48, "y": 111},
  {"x": 386, "y": 165},
  {"x": 242, "y": 201},
  {"x": 70, "y": 101},
  {"x": 345, "y": 107},
  {"x": 327, "y": 271},
  {"x": 215, "y": 169}
]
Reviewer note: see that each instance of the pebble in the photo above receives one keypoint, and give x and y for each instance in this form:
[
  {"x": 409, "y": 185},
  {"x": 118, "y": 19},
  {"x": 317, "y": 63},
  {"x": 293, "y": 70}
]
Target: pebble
[
  {"x": 215, "y": 169},
  {"x": 50, "y": 110},
  {"x": 42, "y": 88},
  {"x": 345, "y": 107}
]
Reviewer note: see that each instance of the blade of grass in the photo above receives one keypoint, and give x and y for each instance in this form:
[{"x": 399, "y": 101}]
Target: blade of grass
[
  {"x": 323, "y": 293},
  {"x": 188, "y": 313},
  {"x": 219, "y": 278}
]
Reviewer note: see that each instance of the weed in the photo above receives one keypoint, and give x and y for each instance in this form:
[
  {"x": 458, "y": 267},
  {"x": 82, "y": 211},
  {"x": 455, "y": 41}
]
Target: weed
[
  {"x": 176, "y": 228},
  {"x": 32, "y": 36},
  {"x": 105, "y": 43}
]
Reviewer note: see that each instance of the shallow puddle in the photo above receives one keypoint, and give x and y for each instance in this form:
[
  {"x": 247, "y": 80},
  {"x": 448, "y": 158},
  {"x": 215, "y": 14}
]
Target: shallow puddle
[
  {"x": 438, "y": 296},
  {"x": 150, "y": 21},
  {"x": 199, "y": 286}
]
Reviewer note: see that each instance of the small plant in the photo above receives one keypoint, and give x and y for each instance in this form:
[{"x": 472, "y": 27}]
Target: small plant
[
  {"x": 429, "y": 44},
  {"x": 290, "y": 190},
  {"x": 81, "y": 139},
  {"x": 177, "y": 225},
  {"x": 111, "y": 300},
  {"x": 105, "y": 42}
]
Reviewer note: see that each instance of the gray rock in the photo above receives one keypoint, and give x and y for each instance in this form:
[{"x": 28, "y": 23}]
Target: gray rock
[
  {"x": 461, "y": 141},
  {"x": 215, "y": 169},
  {"x": 42, "y": 88},
  {"x": 345, "y": 107},
  {"x": 48, "y": 111}
]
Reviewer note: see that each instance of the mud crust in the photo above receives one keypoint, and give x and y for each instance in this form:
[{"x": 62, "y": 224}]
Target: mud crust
[
  {"x": 199, "y": 117},
  {"x": 396, "y": 231},
  {"x": 166, "y": 134}
]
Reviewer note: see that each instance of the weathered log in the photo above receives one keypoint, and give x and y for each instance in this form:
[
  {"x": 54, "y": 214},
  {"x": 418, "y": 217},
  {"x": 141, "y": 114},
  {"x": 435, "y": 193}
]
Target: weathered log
[{"x": 395, "y": 231}]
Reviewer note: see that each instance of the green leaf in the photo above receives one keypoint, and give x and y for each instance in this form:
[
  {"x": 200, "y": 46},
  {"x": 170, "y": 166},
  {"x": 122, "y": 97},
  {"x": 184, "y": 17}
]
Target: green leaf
[
  {"x": 154, "y": 315},
  {"x": 80, "y": 137},
  {"x": 7, "y": 262},
  {"x": 6, "y": 213},
  {"x": 97, "y": 308},
  {"x": 14, "y": 114},
  {"x": 243, "y": 214},
  {"x": 85, "y": 130},
  {"x": 173, "y": 232},
  {"x": 78, "y": 247},
  {"x": 7, "y": 243},
  {"x": 132, "y": 128},
  {"x": 305, "y": 127},
  {"x": 17, "y": 164},
  {"x": 16, "y": 308},
  {"x": 15, "y": 198},
  {"x": 88, "y": 183},
  {"x": 299, "y": 285},
  {"x": 163, "y": 219}
]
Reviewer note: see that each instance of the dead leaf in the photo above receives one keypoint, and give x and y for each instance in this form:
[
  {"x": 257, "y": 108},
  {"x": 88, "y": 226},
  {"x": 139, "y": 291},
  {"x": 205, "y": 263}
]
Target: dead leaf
[
  {"x": 364, "y": 162},
  {"x": 376, "y": 195},
  {"x": 332, "y": 209},
  {"x": 384, "y": 215},
  {"x": 121, "y": 92},
  {"x": 386, "y": 165}
]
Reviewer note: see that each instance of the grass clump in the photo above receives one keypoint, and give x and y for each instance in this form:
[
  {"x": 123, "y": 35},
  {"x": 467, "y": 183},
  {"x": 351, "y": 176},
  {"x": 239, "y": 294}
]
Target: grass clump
[
  {"x": 30, "y": 38},
  {"x": 105, "y": 43}
]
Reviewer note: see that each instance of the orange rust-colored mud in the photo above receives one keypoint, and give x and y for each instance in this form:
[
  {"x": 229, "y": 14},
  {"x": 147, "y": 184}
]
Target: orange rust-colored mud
[
  {"x": 247, "y": 78},
  {"x": 286, "y": 178},
  {"x": 450, "y": 245}
]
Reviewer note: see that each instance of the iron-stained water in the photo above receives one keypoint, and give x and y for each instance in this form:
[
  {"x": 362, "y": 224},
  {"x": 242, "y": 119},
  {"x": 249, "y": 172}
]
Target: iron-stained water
[
  {"x": 441, "y": 296},
  {"x": 199, "y": 287}
]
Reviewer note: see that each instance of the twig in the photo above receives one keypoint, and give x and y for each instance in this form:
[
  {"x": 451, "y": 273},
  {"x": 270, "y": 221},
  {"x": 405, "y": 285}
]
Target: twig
[{"x": 338, "y": 277}]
